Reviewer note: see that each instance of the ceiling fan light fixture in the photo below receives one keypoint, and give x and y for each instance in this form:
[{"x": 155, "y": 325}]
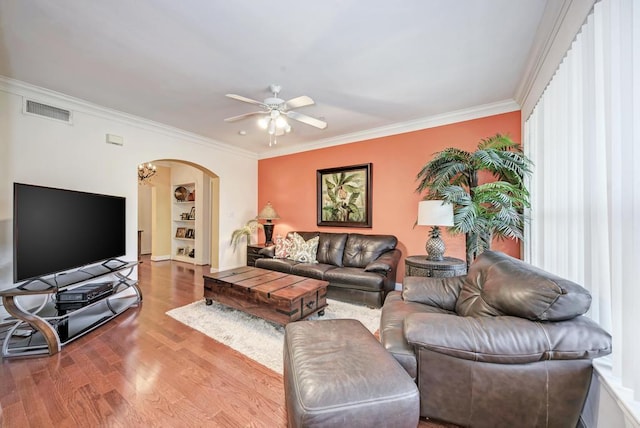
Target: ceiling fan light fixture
[
  {"x": 276, "y": 112},
  {"x": 281, "y": 122}
]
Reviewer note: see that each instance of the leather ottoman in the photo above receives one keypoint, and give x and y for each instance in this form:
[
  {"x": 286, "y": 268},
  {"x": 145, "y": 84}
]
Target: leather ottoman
[{"x": 337, "y": 374}]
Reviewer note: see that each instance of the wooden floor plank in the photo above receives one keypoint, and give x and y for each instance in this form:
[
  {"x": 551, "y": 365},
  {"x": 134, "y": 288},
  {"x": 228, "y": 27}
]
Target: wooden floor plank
[{"x": 145, "y": 369}]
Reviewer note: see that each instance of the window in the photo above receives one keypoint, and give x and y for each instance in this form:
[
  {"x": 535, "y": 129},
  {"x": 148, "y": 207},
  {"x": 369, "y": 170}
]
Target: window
[{"x": 584, "y": 138}]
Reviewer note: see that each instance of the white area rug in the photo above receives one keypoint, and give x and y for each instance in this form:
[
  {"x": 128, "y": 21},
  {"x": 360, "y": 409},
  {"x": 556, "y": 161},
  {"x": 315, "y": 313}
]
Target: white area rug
[{"x": 256, "y": 338}]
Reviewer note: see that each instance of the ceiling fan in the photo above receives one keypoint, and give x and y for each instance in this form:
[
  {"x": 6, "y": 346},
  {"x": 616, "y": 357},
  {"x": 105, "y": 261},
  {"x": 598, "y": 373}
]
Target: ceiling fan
[{"x": 275, "y": 109}]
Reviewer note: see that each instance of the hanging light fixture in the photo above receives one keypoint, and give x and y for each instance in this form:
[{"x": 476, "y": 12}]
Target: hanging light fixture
[
  {"x": 145, "y": 172},
  {"x": 275, "y": 124},
  {"x": 276, "y": 112}
]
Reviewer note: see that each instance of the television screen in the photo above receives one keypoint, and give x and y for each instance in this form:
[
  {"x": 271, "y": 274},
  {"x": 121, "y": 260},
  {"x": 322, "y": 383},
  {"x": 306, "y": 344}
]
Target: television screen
[{"x": 56, "y": 230}]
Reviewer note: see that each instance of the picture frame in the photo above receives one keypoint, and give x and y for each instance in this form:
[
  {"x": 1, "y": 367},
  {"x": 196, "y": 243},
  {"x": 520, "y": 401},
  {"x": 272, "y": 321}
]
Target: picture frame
[
  {"x": 180, "y": 251},
  {"x": 181, "y": 232},
  {"x": 192, "y": 213},
  {"x": 344, "y": 196},
  {"x": 190, "y": 234}
]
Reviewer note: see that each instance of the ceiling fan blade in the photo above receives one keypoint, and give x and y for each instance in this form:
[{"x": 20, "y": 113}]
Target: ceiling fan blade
[
  {"x": 242, "y": 116},
  {"x": 306, "y": 119},
  {"x": 298, "y": 102},
  {"x": 245, "y": 99}
]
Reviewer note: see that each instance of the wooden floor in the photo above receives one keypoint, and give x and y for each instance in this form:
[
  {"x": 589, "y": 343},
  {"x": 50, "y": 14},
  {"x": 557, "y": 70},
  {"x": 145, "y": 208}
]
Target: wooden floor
[{"x": 145, "y": 369}]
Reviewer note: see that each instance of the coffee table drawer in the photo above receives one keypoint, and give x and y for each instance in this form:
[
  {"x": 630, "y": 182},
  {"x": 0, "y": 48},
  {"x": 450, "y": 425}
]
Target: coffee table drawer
[
  {"x": 312, "y": 301},
  {"x": 309, "y": 304}
]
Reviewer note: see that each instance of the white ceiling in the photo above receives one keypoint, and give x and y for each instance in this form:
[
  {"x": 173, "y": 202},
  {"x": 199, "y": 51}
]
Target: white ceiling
[{"x": 367, "y": 63}]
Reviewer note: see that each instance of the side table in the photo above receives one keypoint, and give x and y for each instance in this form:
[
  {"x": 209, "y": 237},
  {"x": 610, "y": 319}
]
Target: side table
[
  {"x": 252, "y": 253},
  {"x": 448, "y": 267}
]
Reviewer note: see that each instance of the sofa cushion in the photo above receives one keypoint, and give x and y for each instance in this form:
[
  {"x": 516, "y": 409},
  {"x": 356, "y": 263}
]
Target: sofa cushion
[
  {"x": 498, "y": 284},
  {"x": 311, "y": 270},
  {"x": 280, "y": 265},
  {"x": 507, "y": 340},
  {"x": 360, "y": 249},
  {"x": 304, "y": 251},
  {"x": 331, "y": 248}
]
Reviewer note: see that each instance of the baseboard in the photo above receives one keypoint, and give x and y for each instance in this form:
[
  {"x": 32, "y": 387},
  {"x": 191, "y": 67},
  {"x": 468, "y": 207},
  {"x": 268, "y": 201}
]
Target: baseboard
[{"x": 160, "y": 258}]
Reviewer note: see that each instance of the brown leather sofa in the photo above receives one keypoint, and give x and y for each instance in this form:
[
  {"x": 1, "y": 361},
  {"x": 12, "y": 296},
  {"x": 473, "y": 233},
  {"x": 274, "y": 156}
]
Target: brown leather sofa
[
  {"x": 504, "y": 346},
  {"x": 359, "y": 268}
]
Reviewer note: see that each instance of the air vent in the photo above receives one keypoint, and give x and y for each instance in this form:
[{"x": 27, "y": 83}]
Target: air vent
[{"x": 44, "y": 110}]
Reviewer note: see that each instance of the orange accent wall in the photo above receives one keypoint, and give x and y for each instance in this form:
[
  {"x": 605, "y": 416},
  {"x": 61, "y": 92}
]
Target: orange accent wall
[{"x": 289, "y": 182}]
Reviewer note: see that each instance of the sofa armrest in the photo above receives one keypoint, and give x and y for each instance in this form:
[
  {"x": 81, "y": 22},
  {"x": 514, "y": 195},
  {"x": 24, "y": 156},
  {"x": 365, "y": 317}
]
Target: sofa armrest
[
  {"x": 438, "y": 292},
  {"x": 506, "y": 339},
  {"x": 269, "y": 251},
  {"x": 387, "y": 262}
]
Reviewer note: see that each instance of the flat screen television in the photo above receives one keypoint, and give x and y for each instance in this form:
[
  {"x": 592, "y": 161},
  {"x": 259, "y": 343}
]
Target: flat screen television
[{"x": 55, "y": 230}]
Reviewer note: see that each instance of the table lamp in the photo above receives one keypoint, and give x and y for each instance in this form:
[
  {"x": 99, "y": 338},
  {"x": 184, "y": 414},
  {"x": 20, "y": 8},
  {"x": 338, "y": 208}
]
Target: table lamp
[
  {"x": 268, "y": 214},
  {"x": 435, "y": 213}
]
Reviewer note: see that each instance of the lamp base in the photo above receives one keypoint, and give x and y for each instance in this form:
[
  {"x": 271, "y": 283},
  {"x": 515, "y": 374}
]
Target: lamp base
[
  {"x": 268, "y": 233},
  {"x": 435, "y": 246}
]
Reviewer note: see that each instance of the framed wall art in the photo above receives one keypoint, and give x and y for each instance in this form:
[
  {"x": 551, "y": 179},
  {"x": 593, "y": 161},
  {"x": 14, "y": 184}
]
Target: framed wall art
[{"x": 344, "y": 196}]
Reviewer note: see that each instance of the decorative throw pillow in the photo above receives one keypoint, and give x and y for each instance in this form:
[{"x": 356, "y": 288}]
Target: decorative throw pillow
[
  {"x": 304, "y": 251},
  {"x": 284, "y": 247}
]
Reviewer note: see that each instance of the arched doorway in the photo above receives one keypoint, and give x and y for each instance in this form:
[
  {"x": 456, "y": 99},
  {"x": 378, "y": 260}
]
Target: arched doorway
[{"x": 174, "y": 229}]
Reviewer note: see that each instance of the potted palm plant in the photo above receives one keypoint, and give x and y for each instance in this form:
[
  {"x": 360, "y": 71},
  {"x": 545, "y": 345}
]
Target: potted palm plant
[{"x": 486, "y": 210}]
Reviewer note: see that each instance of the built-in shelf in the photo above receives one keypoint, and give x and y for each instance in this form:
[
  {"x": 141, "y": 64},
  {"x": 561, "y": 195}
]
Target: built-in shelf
[{"x": 185, "y": 226}]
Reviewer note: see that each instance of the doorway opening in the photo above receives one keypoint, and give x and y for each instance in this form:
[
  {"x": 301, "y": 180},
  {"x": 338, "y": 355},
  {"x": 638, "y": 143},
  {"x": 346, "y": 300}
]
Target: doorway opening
[{"x": 178, "y": 213}]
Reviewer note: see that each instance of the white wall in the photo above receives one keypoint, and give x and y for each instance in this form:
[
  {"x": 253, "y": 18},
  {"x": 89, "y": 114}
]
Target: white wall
[
  {"x": 144, "y": 218},
  {"x": 41, "y": 151}
]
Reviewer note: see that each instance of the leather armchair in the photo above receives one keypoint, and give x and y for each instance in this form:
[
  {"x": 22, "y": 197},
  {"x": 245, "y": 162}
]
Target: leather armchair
[{"x": 506, "y": 345}]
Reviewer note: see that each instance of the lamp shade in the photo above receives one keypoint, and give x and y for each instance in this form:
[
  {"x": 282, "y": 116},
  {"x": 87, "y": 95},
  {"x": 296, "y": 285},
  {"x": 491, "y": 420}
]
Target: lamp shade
[
  {"x": 435, "y": 213},
  {"x": 268, "y": 213}
]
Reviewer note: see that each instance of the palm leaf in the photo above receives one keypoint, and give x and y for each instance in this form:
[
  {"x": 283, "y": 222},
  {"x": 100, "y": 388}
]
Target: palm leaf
[{"x": 447, "y": 165}]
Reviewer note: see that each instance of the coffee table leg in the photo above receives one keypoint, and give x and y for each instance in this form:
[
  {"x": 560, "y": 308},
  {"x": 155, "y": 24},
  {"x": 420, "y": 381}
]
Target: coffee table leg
[{"x": 321, "y": 313}]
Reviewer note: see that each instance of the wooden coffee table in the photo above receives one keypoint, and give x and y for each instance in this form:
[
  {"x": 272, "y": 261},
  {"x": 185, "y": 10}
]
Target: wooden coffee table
[{"x": 274, "y": 296}]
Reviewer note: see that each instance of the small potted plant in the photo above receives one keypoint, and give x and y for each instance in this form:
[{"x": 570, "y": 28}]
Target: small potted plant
[{"x": 249, "y": 229}]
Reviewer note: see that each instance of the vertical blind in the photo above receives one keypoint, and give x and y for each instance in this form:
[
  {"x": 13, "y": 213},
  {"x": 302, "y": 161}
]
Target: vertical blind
[{"x": 584, "y": 139}]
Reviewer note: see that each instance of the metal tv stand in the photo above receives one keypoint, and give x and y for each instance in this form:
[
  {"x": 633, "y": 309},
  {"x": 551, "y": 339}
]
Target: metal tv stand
[{"x": 45, "y": 329}]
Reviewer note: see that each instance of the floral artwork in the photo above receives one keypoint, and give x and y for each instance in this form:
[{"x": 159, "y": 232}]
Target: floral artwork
[{"x": 344, "y": 196}]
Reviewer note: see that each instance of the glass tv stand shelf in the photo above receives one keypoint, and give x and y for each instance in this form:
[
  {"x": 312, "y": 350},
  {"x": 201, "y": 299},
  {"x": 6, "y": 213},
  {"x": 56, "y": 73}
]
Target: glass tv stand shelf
[{"x": 44, "y": 329}]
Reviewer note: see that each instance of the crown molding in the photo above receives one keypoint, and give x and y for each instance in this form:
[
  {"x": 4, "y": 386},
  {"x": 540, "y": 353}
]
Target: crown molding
[
  {"x": 75, "y": 104},
  {"x": 61, "y": 100},
  {"x": 456, "y": 116},
  {"x": 561, "y": 22}
]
